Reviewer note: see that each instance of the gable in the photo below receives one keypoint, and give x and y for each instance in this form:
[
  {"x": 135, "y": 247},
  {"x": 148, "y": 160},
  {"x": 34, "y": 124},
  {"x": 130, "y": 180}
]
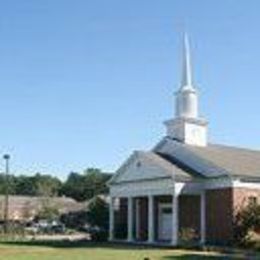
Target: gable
[
  {"x": 138, "y": 167},
  {"x": 143, "y": 166}
]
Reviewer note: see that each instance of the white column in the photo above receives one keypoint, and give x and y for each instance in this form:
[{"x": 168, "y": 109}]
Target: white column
[
  {"x": 111, "y": 219},
  {"x": 150, "y": 219},
  {"x": 130, "y": 219},
  {"x": 175, "y": 224},
  {"x": 137, "y": 221},
  {"x": 202, "y": 218}
]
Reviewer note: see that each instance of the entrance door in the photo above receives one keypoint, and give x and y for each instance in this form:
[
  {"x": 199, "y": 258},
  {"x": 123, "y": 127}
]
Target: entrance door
[{"x": 165, "y": 222}]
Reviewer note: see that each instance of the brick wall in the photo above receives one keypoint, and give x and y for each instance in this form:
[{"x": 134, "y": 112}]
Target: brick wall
[
  {"x": 189, "y": 213},
  {"x": 219, "y": 215},
  {"x": 221, "y": 208},
  {"x": 242, "y": 195},
  {"x": 143, "y": 218}
]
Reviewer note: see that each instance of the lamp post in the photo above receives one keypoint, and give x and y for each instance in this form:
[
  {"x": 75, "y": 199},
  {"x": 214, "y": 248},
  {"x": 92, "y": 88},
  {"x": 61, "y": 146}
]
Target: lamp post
[{"x": 6, "y": 157}]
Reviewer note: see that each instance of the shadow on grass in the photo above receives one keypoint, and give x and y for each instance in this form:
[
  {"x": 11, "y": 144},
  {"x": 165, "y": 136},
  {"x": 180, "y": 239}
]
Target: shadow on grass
[
  {"x": 195, "y": 257},
  {"x": 76, "y": 244},
  {"x": 222, "y": 256},
  {"x": 67, "y": 244}
]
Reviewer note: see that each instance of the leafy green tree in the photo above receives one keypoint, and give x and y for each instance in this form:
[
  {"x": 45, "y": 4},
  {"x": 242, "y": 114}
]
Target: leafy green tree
[
  {"x": 25, "y": 185},
  {"x": 98, "y": 217},
  {"x": 95, "y": 182},
  {"x": 74, "y": 187},
  {"x": 11, "y": 183},
  {"x": 29, "y": 185},
  {"x": 98, "y": 213},
  {"x": 87, "y": 185},
  {"x": 77, "y": 186},
  {"x": 47, "y": 185}
]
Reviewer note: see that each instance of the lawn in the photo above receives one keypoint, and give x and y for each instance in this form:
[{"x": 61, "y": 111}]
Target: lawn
[{"x": 84, "y": 250}]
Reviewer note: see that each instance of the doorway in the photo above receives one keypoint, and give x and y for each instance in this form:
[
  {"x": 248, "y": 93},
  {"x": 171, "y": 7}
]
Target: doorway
[{"x": 165, "y": 222}]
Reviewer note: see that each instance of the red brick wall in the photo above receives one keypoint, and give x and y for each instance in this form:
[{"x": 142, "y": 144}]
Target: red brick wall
[
  {"x": 121, "y": 220},
  {"x": 143, "y": 218},
  {"x": 242, "y": 195},
  {"x": 221, "y": 208},
  {"x": 189, "y": 213},
  {"x": 219, "y": 215}
]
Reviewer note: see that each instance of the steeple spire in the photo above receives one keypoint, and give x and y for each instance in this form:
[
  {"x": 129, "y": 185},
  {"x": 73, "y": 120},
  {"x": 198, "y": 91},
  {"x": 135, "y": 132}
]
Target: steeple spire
[
  {"x": 186, "y": 70},
  {"x": 187, "y": 96},
  {"x": 187, "y": 126}
]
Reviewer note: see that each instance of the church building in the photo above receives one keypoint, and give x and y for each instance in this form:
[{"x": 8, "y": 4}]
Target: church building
[{"x": 184, "y": 184}]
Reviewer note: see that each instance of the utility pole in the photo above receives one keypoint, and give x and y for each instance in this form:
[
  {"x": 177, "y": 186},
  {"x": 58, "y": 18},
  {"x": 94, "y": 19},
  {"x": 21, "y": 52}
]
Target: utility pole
[{"x": 6, "y": 157}]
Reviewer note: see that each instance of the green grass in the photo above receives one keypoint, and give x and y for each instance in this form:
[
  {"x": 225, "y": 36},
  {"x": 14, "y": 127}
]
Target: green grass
[{"x": 86, "y": 250}]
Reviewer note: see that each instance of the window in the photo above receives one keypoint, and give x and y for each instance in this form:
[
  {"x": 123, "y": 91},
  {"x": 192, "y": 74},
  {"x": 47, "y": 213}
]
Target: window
[
  {"x": 138, "y": 164},
  {"x": 167, "y": 211}
]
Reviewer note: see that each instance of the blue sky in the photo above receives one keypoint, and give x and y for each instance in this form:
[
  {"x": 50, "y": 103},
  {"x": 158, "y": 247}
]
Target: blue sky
[{"x": 84, "y": 83}]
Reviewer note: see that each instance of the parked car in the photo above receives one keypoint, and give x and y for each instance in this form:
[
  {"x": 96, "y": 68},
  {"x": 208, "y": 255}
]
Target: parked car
[{"x": 46, "y": 227}]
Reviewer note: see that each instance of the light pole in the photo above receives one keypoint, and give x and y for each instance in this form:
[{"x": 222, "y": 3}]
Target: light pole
[{"x": 6, "y": 157}]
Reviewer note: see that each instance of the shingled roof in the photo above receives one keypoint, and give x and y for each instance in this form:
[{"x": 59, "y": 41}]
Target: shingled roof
[
  {"x": 180, "y": 173},
  {"x": 237, "y": 161},
  {"x": 211, "y": 161}
]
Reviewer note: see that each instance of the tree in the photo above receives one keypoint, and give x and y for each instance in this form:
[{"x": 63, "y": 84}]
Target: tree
[
  {"x": 98, "y": 217},
  {"x": 74, "y": 187},
  {"x": 95, "y": 182},
  {"x": 46, "y": 189},
  {"x": 29, "y": 185},
  {"x": 77, "y": 186},
  {"x": 11, "y": 183},
  {"x": 98, "y": 213},
  {"x": 25, "y": 185},
  {"x": 246, "y": 220},
  {"x": 87, "y": 185},
  {"x": 47, "y": 185}
]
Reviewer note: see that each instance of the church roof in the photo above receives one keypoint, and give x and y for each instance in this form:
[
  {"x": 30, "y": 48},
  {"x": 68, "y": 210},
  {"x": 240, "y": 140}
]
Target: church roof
[
  {"x": 237, "y": 161},
  {"x": 179, "y": 172},
  {"x": 212, "y": 161}
]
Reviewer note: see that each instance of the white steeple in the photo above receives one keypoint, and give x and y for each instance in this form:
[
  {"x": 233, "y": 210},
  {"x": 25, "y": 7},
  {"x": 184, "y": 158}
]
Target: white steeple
[
  {"x": 187, "y": 127},
  {"x": 187, "y": 96},
  {"x": 186, "y": 71}
]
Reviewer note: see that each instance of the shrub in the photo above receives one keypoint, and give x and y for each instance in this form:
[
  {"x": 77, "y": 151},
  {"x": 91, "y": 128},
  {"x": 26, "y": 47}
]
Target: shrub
[
  {"x": 99, "y": 235},
  {"x": 75, "y": 220},
  {"x": 188, "y": 236},
  {"x": 98, "y": 217},
  {"x": 246, "y": 220}
]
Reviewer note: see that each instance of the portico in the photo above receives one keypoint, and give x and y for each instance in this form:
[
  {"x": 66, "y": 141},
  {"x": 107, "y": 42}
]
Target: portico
[{"x": 154, "y": 217}]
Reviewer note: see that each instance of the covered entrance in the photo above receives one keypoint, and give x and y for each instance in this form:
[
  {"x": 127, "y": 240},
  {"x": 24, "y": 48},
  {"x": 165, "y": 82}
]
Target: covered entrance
[{"x": 159, "y": 218}]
